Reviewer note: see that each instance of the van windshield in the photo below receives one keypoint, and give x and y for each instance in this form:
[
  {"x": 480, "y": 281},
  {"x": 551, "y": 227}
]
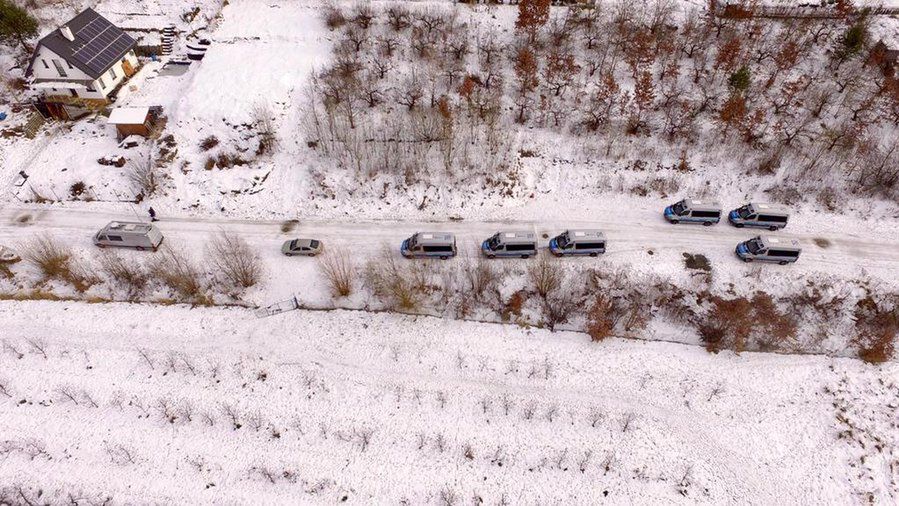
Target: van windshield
[
  {"x": 493, "y": 242},
  {"x": 413, "y": 241},
  {"x": 562, "y": 241},
  {"x": 754, "y": 246},
  {"x": 679, "y": 208},
  {"x": 744, "y": 212}
]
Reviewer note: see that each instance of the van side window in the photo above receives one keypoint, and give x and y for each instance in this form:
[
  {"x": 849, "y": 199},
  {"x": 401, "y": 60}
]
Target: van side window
[
  {"x": 520, "y": 247},
  {"x": 773, "y": 219},
  {"x": 706, "y": 214},
  {"x": 116, "y": 238},
  {"x": 589, "y": 245},
  {"x": 782, "y": 253},
  {"x": 438, "y": 249}
]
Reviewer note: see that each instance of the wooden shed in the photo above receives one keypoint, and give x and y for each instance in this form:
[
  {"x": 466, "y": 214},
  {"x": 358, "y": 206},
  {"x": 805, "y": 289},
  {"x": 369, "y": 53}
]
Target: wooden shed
[{"x": 131, "y": 121}]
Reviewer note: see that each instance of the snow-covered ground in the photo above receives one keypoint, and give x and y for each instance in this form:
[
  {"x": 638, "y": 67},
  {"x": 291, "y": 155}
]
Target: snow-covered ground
[{"x": 380, "y": 409}]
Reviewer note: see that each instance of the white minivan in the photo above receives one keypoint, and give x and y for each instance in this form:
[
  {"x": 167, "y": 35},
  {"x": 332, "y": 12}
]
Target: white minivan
[{"x": 123, "y": 234}]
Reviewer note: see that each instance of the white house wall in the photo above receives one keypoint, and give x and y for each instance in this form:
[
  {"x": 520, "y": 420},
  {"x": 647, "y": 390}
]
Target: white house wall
[{"x": 40, "y": 71}]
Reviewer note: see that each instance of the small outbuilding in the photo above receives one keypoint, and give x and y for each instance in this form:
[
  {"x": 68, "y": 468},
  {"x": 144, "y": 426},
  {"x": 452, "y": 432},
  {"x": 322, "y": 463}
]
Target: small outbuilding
[{"x": 132, "y": 121}]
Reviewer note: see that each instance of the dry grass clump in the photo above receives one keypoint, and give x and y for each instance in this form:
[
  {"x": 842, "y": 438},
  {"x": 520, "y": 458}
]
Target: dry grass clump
[
  {"x": 129, "y": 274},
  {"x": 480, "y": 275},
  {"x": 180, "y": 274},
  {"x": 234, "y": 259},
  {"x": 56, "y": 261},
  {"x": 339, "y": 271},
  {"x": 398, "y": 286},
  {"x": 876, "y": 327}
]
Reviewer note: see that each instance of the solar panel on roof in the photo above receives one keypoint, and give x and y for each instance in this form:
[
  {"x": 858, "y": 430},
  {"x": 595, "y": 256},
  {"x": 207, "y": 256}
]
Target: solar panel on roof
[{"x": 102, "y": 44}]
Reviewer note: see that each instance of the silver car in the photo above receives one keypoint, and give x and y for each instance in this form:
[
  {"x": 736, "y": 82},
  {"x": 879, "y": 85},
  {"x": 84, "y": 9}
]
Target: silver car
[{"x": 304, "y": 247}]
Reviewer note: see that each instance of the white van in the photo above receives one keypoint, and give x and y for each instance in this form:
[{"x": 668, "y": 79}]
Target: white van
[
  {"x": 693, "y": 211},
  {"x": 578, "y": 242},
  {"x": 123, "y": 234},
  {"x": 510, "y": 244},
  {"x": 769, "y": 249},
  {"x": 440, "y": 245},
  {"x": 759, "y": 215}
]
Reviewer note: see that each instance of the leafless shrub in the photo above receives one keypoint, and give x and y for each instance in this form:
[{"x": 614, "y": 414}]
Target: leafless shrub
[
  {"x": 128, "y": 273},
  {"x": 448, "y": 497},
  {"x": 31, "y": 448},
  {"x": 584, "y": 461},
  {"x": 180, "y": 274},
  {"x": 558, "y": 308},
  {"x": 596, "y": 417},
  {"x": 209, "y": 143},
  {"x": 481, "y": 275},
  {"x": 166, "y": 410},
  {"x": 339, "y": 270},
  {"x": 120, "y": 454},
  {"x": 685, "y": 482},
  {"x": 421, "y": 440},
  {"x": 507, "y": 403},
  {"x": 627, "y": 421},
  {"x": 56, "y": 261},
  {"x": 546, "y": 275},
  {"x": 608, "y": 463},
  {"x": 398, "y": 17},
  {"x": 38, "y": 346},
  {"x": 207, "y": 418},
  {"x": 68, "y": 394},
  {"x": 231, "y": 414},
  {"x": 527, "y": 413},
  {"x": 467, "y": 451},
  {"x": 264, "y": 121},
  {"x": 560, "y": 458},
  {"x": 141, "y": 172},
  {"x": 12, "y": 350},
  {"x": 333, "y": 17},
  {"x": 398, "y": 286},
  {"x": 231, "y": 256},
  {"x": 552, "y": 412},
  {"x": 5, "y": 388},
  {"x": 440, "y": 442}
]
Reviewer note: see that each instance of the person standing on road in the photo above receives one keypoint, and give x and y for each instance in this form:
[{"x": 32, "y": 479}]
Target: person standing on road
[{"x": 153, "y": 215}]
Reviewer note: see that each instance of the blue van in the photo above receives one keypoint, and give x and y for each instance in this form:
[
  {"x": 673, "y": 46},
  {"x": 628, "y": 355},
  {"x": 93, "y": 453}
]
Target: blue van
[
  {"x": 440, "y": 245},
  {"x": 578, "y": 242}
]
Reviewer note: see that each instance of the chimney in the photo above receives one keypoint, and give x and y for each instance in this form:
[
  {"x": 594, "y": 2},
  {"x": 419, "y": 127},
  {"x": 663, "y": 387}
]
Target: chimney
[{"x": 67, "y": 33}]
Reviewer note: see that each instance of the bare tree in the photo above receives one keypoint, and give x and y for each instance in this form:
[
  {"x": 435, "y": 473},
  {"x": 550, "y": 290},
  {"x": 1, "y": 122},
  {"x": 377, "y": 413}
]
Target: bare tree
[
  {"x": 233, "y": 257},
  {"x": 142, "y": 173}
]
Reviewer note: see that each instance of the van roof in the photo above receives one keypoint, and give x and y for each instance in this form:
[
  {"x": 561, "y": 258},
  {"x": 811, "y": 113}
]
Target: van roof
[
  {"x": 778, "y": 242},
  {"x": 509, "y": 235},
  {"x": 434, "y": 237},
  {"x": 586, "y": 234},
  {"x": 132, "y": 227},
  {"x": 703, "y": 204},
  {"x": 769, "y": 208}
]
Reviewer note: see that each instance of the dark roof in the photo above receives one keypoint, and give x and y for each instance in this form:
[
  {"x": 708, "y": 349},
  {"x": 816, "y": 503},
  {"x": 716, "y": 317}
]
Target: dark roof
[{"x": 98, "y": 44}]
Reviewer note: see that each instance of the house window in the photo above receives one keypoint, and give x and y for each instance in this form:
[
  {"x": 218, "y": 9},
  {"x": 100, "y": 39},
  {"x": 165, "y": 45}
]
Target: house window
[
  {"x": 90, "y": 87},
  {"x": 45, "y": 63},
  {"x": 69, "y": 64},
  {"x": 102, "y": 84},
  {"x": 60, "y": 69},
  {"x": 112, "y": 73}
]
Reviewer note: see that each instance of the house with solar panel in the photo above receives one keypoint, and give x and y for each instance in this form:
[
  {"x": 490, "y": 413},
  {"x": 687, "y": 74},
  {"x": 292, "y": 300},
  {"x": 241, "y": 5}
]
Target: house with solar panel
[{"x": 79, "y": 66}]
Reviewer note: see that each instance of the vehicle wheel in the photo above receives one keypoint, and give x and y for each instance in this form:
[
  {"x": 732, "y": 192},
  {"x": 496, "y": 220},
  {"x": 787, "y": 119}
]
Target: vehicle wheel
[
  {"x": 782, "y": 263},
  {"x": 674, "y": 222},
  {"x": 593, "y": 254},
  {"x": 747, "y": 260},
  {"x": 773, "y": 229},
  {"x": 707, "y": 224},
  {"x": 312, "y": 254},
  {"x": 739, "y": 225},
  {"x": 491, "y": 257},
  {"x": 139, "y": 248},
  {"x": 101, "y": 245},
  {"x": 525, "y": 256},
  {"x": 444, "y": 257}
]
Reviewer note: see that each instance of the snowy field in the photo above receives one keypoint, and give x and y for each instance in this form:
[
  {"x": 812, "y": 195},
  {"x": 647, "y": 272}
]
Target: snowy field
[{"x": 320, "y": 407}]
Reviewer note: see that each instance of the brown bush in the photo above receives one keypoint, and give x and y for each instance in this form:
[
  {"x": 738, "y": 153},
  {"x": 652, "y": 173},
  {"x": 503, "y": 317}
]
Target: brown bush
[
  {"x": 209, "y": 143},
  {"x": 876, "y": 328},
  {"x": 56, "y": 261},
  {"x": 599, "y": 318},
  {"x": 558, "y": 307},
  {"x": 180, "y": 274},
  {"x": 514, "y": 305},
  {"x": 728, "y": 324},
  {"x": 333, "y": 17},
  {"x": 777, "y": 330},
  {"x": 234, "y": 259},
  {"x": 546, "y": 275},
  {"x": 339, "y": 270},
  {"x": 130, "y": 274}
]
